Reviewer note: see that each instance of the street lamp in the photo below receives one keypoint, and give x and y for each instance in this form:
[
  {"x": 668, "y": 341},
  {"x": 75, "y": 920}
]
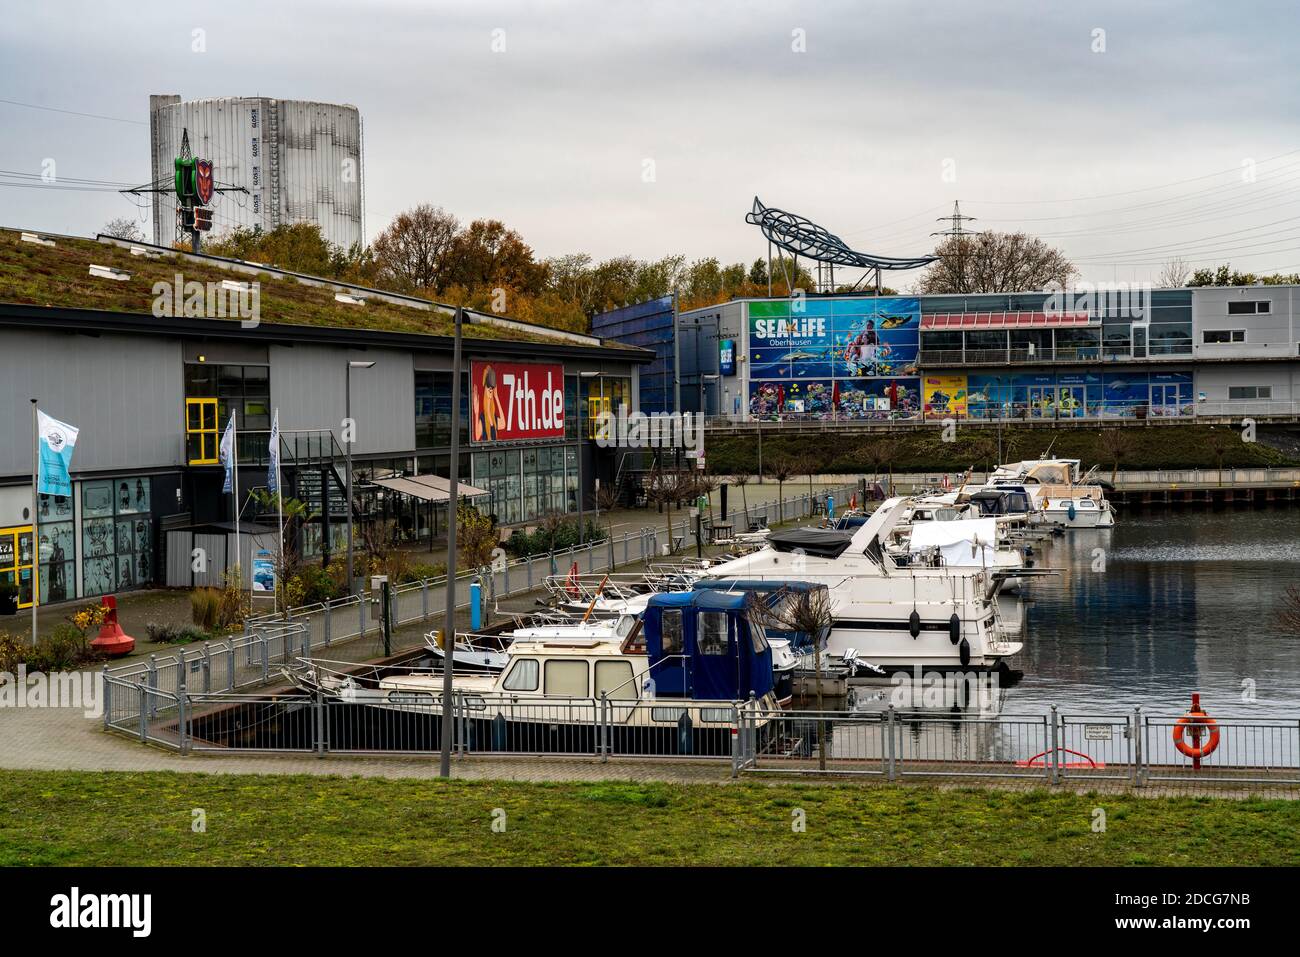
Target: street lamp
[{"x": 348, "y": 436}]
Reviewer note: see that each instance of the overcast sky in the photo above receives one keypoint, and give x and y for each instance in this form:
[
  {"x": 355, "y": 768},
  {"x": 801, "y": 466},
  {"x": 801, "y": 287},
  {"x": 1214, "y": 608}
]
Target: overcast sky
[{"x": 1022, "y": 110}]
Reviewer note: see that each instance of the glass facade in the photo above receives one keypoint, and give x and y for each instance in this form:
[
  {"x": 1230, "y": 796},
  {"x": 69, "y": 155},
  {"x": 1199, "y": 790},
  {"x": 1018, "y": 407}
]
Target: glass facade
[
  {"x": 245, "y": 389},
  {"x": 525, "y": 484},
  {"x": 116, "y": 535},
  {"x": 649, "y": 325},
  {"x": 433, "y": 410}
]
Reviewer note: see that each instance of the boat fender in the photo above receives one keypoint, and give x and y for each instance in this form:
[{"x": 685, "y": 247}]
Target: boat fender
[
  {"x": 954, "y": 629},
  {"x": 964, "y": 650},
  {"x": 1071, "y": 512},
  {"x": 914, "y": 623}
]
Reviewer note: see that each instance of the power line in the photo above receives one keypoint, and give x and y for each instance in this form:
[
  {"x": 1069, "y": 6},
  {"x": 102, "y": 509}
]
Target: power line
[{"x": 93, "y": 116}]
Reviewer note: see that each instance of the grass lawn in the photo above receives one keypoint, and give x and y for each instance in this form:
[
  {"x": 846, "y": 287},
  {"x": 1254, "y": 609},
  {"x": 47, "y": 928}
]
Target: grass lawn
[{"x": 81, "y": 818}]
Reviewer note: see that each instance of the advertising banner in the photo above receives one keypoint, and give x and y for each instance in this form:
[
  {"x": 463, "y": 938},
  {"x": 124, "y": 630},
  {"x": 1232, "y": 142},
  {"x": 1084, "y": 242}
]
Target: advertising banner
[
  {"x": 516, "y": 400},
  {"x": 945, "y": 395},
  {"x": 727, "y": 357}
]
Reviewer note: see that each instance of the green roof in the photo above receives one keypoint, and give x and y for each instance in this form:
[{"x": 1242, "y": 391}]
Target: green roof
[{"x": 37, "y": 274}]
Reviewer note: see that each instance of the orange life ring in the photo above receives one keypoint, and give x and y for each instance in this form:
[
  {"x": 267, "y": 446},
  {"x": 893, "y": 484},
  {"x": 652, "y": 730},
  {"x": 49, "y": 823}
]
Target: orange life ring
[{"x": 1196, "y": 720}]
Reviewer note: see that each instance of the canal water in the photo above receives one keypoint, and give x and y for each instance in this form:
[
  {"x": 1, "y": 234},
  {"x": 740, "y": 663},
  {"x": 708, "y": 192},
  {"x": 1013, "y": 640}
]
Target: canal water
[{"x": 1166, "y": 603}]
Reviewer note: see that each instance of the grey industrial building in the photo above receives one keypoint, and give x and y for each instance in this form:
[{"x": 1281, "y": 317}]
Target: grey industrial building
[{"x": 151, "y": 394}]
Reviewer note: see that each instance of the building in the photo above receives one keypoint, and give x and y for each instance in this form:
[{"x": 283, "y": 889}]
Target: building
[
  {"x": 148, "y": 351},
  {"x": 1167, "y": 353},
  {"x": 648, "y": 325},
  {"x": 300, "y": 161}
]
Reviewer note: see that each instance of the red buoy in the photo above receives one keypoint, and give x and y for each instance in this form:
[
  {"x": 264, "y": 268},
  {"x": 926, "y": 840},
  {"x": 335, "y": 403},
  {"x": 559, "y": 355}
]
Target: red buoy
[{"x": 112, "y": 640}]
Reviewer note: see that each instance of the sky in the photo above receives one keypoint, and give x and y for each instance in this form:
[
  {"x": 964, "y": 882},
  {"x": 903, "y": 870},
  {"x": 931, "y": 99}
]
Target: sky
[{"x": 1125, "y": 134}]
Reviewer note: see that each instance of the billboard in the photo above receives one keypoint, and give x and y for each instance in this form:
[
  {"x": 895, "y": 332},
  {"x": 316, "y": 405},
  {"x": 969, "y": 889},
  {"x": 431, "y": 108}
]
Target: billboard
[
  {"x": 945, "y": 395},
  {"x": 727, "y": 357},
  {"x": 835, "y": 358},
  {"x": 516, "y": 400}
]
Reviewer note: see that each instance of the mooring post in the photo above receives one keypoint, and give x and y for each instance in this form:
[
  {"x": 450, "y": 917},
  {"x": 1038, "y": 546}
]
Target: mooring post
[
  {"x": 207, "y": 667},
  {"x": 318, "y": 706},
  {"x": 181, "y": 716},
  {"x": 1137, "y": 747},
  {"x": 602, "y": 732}
]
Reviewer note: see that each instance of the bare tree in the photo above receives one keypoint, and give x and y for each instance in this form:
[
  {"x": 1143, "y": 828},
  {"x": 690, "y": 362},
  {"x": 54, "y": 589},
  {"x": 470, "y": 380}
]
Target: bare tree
[
  {"x": 1289, "y": 615},
  {"x": 123, "y": 228},
  {"x": 983, "y": 449},
  {"x": 781, "y": 468},
  {"x": 740, "y": 481},
  {"x": 879, "y": 454},
  {"x": 412, "y": 251},
  {"x": 1174, "y": 274},
  {"x": 666, "y": 488},
  {"x": 995, "y": 262},
  {"x": 1118, "y": 445},
  {"x": 1219, "y": 441},
  {"x": 809, "y": 611}
]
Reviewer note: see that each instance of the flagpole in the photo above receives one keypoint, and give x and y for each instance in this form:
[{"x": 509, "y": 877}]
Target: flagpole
[
  {"x": 234, "y": 492},
  {"x": 36, "y": 541},
  {"x": 279, "y": 505}
]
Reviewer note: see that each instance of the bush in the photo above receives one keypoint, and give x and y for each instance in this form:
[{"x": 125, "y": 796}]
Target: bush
[
  {"x": 522, "y": 544},
  {"x": 205, "y": 607},
  {"x": 175, "y": 634},
  {"x": 63, "y": 649}
]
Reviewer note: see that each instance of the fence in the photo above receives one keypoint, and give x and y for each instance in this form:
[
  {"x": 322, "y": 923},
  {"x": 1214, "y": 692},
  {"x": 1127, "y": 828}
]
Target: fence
[{"x": 891, "y": 745}]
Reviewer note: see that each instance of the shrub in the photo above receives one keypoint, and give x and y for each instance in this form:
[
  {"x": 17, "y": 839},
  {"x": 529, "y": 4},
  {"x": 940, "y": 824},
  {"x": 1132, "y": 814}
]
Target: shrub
[
  {"x": 522, "y": 544},
  {"x": 205, "y": 606},
  {"x": 175, "y": 634},
  {"x": 312, "y": 584}
]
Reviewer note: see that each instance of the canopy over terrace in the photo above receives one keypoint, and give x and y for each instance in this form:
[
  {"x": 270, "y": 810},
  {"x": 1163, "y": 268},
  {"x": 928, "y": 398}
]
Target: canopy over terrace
[{"x": 433, "y": 489}]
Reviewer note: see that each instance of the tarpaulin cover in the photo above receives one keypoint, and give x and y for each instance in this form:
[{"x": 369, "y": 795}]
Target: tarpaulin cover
[{"x": 969, "y": 541}]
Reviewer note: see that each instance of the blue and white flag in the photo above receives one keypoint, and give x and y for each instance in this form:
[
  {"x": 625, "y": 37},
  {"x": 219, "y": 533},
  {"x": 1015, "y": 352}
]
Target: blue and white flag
[
  {"x": 228, "y": 453},
  {"x": 273, "y": 461},
  {"x": 57, "y": 440}
]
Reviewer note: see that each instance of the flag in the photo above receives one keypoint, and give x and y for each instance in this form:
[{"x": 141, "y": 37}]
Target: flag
[
  {"x": 273, "y": 460},
  {"x": 228, "y": 453},
  {"x": 57, "y": 440}
]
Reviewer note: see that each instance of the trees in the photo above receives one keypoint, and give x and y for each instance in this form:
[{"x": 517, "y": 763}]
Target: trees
[
  {"x": 489, "y": 253},
  {"x": 781, "y": 468},
  {"x": 412, "y": 251},
  {"x": 1225, "y": 275},
  {"x": 298, "y": 247},
  {"x": 1118, "y": 445},
  {"x": 881, "y": 453},
  {"x": 123, "y": 228},
  {"x": 995, "y": 262},
  {"x": 1174, "y": 273}
]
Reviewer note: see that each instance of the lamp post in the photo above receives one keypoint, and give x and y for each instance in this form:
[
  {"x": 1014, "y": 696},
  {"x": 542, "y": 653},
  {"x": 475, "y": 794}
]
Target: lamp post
[
  {"x": 349, "y": 433},
  {"x": 453, "y": 510}
]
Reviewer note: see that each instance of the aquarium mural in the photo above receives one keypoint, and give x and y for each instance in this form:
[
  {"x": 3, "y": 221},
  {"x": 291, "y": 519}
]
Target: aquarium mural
[
  {"x": 1072, "y": 395},
  {"x": 835, "y": 358}
]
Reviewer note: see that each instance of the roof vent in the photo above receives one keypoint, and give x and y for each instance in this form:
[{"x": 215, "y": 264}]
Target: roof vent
[
  {"x": 108, "y": 272},
  {"x": 147, "y": 253},
  {"x": 38, "y": 239},
  {"x": 234, "y": 285},
  {"x": 349, "y": 300}
]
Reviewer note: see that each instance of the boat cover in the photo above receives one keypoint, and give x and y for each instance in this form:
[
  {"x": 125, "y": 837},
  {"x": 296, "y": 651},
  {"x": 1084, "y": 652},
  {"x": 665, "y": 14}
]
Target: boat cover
[
  {"x": 819, "y": 542},
  {"x": 693, "y": 673},
  {"x": 970, "y": 541}
]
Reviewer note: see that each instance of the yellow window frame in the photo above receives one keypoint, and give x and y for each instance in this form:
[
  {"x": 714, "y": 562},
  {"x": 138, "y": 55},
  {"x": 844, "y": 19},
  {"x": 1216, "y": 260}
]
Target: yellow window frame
[
  {"x": 201, "y": 420},
  {"x": 14, "y": 533}
]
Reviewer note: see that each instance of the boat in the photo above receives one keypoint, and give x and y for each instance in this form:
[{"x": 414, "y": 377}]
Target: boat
[
  {"x": 895, "y": 614},
  {"x": 671, "y": 686},
  {"x": 1058, "y": 494}
]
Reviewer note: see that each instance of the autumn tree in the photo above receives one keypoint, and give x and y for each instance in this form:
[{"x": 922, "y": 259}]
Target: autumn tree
[
  {"x": 123, "y": 228},
  {"x": 995, "y": 262},
  {"x": 412, "y": 251}
]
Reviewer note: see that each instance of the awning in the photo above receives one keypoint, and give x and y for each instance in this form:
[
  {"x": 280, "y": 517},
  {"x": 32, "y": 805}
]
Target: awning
[{"x": 429, "y": 488}]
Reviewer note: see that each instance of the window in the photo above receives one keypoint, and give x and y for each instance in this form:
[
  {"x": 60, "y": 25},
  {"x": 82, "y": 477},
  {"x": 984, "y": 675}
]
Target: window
[
  {"x": 201, "y": 431},
  {"x": 667, "y": 715},
  {"x": 1250, "y": 308},
  {"x": 671, "y": 626},
  {"x": 1250, "y": 392},
  {"x": 1213, "y": 336},
  {"x": 713, "y": 633},
  {"x": 433, "y": 409},
  {"x": 523, "y": 676},
  {"x": 58, "y": 549},
  {"x": 716, "y": 715},
  {"x": 567, "y": 678},
  {"x": 614, "y": 678}
]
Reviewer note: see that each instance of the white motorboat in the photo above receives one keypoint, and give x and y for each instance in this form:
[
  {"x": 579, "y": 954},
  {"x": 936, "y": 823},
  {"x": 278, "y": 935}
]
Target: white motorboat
[
  {"x": 894, "y": 614},
  {"x": 1060, "y": 496}
]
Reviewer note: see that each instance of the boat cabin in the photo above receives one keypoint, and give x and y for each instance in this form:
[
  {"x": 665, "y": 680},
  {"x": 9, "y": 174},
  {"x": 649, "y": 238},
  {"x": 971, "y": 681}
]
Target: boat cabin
[
  {"x": 995, "y": 502},
  {"x": 701, "y": 645},
  {"x": 771, "y": 591}
]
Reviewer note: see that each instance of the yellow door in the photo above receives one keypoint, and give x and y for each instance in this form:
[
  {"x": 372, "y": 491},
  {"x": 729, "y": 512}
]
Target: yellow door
[{"x": 16, "y": 554}]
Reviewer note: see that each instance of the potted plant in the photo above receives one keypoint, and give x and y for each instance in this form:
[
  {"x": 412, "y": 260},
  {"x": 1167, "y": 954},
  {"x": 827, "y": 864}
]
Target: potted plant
[{"x": 8, "y": 598}]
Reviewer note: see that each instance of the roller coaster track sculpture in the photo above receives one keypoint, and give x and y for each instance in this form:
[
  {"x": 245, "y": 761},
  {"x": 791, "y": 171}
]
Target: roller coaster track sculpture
[{"x": 803, "y": 237}]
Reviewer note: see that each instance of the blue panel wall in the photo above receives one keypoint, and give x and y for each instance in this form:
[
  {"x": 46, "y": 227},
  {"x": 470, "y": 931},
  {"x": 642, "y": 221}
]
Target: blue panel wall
[{"x": 649, "y": 325}]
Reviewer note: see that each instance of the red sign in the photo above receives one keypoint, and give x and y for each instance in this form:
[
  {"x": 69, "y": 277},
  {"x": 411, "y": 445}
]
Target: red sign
[
  {"x": 516, "y": 400},
  {"x": 203, "y": 180}
]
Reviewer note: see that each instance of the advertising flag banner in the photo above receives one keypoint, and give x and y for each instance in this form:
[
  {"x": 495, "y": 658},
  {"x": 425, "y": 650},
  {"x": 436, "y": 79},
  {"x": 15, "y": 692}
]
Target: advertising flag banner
[
  {"x": 57, "y": 440},
  {"x": 273, "y": 459},
  {"x": 228, "y": 453}
]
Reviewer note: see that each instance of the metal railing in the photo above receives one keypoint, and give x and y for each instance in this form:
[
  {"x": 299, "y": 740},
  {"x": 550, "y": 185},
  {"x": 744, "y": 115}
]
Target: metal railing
[{"x": 1054, "y": 748}]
